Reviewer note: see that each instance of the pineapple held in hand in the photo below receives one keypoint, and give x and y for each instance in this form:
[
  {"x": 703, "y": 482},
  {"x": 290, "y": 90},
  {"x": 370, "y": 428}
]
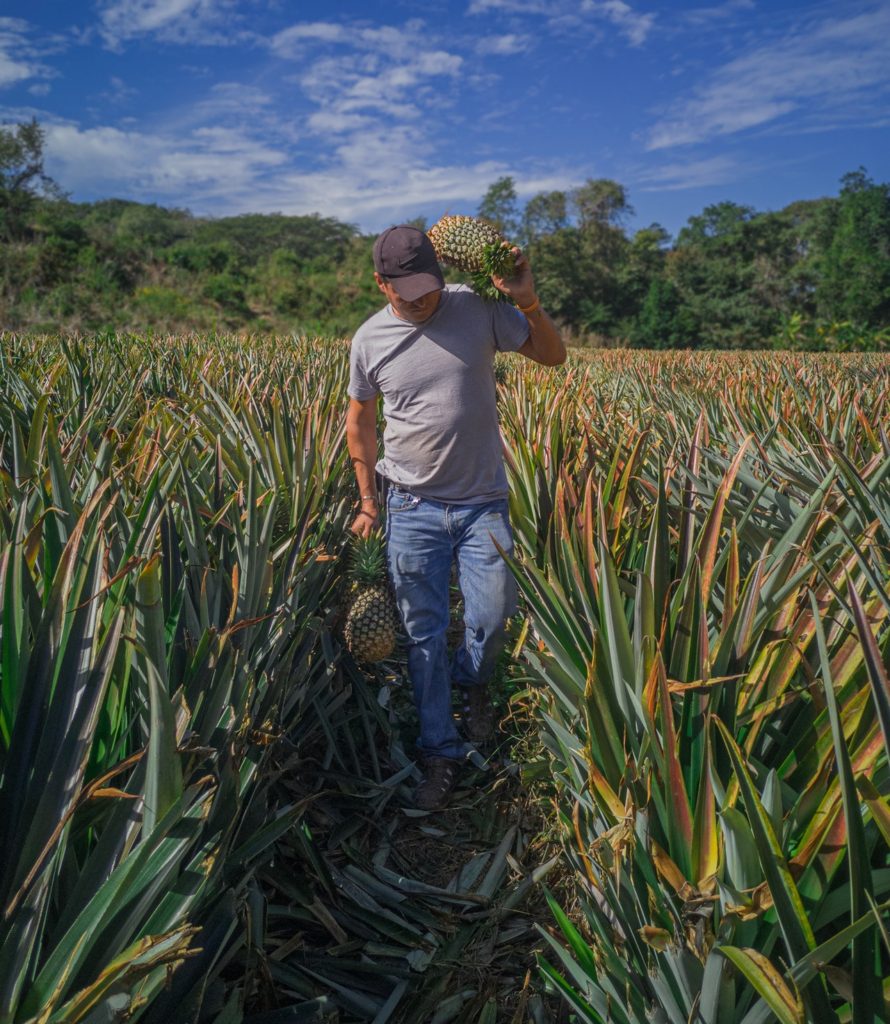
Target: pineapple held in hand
[
  {"x": 475, "y": 246},
  {"x": 372, "y": 618}
]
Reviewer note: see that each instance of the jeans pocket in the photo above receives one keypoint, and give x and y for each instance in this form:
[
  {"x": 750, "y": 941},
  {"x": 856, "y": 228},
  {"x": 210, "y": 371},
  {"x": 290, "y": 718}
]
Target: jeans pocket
[
  {"x": 500, "y": 507},
  {"x": 401, "y": 501}
]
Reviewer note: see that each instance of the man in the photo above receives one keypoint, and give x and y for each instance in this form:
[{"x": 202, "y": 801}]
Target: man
[{"x": 430, "y": 353}]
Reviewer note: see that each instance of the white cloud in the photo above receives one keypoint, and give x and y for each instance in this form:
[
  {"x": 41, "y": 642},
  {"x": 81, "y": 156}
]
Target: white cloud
[
  {"x": 716, "y": 170},
  {"x": 290, "y": 41},
  {"x": 568, "y": 15},
  {"x": 347, "y": 118},
  {"x": 337, "y": 122},
  {"x": 395, "y": 42},
  {"x": 208, "y": 22},
  {"x": 503, "y": 45},
  {"x": 635, "y": 25},
  {"x": 509, "y": 6},
  {"x": 19, "y": 54},
  {"x": 361, "y": 187},
  {"x": 836, "y": 65},
  {"x": 371, "y": 178},
  {"x": 368, "y": 75},
  {"x": 210, "y": 164},
  {"x": 719, "y": 12},
  {"x": 14, "y": 70},
  {"x": 118, "y": 92}
]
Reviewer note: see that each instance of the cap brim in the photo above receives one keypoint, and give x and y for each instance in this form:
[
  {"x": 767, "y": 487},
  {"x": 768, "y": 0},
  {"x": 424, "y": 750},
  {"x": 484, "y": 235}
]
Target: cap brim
[{"x": 417, "y": 285}]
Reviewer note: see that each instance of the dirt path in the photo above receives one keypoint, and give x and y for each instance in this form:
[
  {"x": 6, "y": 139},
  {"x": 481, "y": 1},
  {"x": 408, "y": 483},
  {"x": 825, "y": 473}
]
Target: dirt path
[{"x": 396, "y": 914}]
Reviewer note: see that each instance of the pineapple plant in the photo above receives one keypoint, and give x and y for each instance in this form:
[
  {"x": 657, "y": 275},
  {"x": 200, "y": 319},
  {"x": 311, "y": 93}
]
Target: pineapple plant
[
  {"x": 372, "y": 619},
  {"x": 476, "y": 247}
]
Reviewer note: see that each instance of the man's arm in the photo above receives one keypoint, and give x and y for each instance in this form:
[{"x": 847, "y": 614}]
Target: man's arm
[
  {"x": 544, "y": 344},
  {"x": 361, "y": 440}
]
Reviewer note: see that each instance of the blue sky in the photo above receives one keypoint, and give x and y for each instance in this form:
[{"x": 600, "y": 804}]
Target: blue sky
[{"x": 376, "y": 113}]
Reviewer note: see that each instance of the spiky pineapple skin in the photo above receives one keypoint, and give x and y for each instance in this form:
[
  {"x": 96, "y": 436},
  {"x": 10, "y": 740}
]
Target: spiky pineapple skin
[
  {"x": 476, "y": 247},
  {"x": 371, "y": 622}
]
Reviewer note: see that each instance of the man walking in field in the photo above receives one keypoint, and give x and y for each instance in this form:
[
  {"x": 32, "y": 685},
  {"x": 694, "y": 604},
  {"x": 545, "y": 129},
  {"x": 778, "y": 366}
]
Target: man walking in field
[{"x": 430, "y": 354}]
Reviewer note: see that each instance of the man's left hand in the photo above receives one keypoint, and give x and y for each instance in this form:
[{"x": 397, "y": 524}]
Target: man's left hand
[{"x": 521, "y": 286}]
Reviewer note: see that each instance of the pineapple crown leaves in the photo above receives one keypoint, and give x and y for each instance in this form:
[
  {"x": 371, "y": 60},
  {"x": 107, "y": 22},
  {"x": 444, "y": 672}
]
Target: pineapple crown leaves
[
  {"x": 367, "y": 558},
  {"x": 475, "y": 246}
]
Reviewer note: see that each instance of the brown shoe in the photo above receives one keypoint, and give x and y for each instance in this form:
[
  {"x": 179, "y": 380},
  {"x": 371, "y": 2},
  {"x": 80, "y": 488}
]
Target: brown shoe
[
  {"x": 477, "y": 714},
  {"x": 439, "y": 779}
]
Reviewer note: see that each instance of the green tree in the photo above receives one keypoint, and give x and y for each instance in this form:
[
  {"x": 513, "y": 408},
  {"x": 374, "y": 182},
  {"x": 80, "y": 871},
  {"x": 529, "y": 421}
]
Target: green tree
[
  {"x": 645, "y": 263},
  {"x": 854, "y": 278},
  {"x": 254, "y": 236},
  {"x": 601, "y": 202},
  {"x": 499, "y": 205},
  {"x": 544, "y": 214},
  {"x": 663, "y": 321},
  {"x": 22, "y": 178},
  {"x": 149, "y": 226},
  {"x": 578, "y": 249},
  {"x": 724, "y": 267}
]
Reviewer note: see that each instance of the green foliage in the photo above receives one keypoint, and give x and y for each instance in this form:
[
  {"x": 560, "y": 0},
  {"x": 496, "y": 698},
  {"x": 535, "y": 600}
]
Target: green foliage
[
  {"x": 702, "y": 545},
  {"x": 197, "y": 256},
  {"x": 854, "y": 283},
  {"x": 499, "y": 206},
  {"x": 804, "y": 334},
  {"x": 227, "y": 290},
  {"x": 663, "y": 320},
  {"x": 162, "y": 306},
  {"x": 22, "y": 179},
  {"x": 254, "y": 236},
  {"x": 150, "y": 227},
  {"x": 161, "y": 607},
  {"x": 733, "y": 278},
  {"x": 544, "y": 214}
]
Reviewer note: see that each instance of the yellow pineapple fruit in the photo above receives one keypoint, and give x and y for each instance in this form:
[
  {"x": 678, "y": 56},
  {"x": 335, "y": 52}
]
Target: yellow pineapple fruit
[
  {"x": 475, "y": 246},
  {"x": 372, "y": 619}
]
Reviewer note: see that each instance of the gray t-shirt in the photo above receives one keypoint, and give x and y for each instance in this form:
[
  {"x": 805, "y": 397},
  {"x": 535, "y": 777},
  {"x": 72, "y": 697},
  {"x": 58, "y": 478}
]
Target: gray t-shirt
[{"x": 437, "y": 380}]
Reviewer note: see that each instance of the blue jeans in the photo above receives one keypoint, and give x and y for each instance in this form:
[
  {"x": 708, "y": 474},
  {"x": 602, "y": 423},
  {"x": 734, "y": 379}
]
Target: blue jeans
[{"x": 424, "y": 537}]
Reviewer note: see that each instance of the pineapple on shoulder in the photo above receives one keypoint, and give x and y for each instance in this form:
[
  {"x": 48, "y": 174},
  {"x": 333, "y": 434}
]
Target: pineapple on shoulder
[
  {"x": 372, "y": 618},
  {"x": 475, "y": 246}
]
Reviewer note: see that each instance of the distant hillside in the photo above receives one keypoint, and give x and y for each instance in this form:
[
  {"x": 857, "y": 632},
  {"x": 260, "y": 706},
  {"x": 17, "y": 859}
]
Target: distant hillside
[{"x": 813, "y": 275}]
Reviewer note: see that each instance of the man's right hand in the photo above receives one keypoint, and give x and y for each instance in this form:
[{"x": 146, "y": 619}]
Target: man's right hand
[{"x": 366, "y": 521}]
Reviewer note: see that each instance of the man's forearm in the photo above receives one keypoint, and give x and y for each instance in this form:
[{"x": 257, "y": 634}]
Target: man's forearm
[
  {"x": 361, "y": 440},
  {"x": 546, "y": 341}
]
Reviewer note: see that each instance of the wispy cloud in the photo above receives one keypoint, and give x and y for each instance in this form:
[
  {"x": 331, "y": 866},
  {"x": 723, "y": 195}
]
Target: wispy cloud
[
  {"x": 204, "y": 21},
  {"x": 214, "y": 164},
  {"x": 229, "y": 171},
  {"x": 385, "y": 109},
  {"x": 358, "y": 124},
  {"x": 564, "y": 15},
  {"x": 837, "y": 65},
  {"x": 699, "y": 16},
  {"x": 291, "y": 41},
  {"x": 20, "y": 54},
  {"x": 506, "y": 45},
  {"x": 118, "y": 92},
  {"x": 715, "y": 170},
  {"x": 361, "y": 76}
]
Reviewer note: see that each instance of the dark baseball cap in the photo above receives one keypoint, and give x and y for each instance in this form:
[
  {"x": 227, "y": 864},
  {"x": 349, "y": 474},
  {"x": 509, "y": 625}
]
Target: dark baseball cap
[{"x": 405, "y": 256}]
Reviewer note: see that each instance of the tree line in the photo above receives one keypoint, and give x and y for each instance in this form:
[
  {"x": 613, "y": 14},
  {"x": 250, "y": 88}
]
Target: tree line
[{"x": 815, "y": 274}]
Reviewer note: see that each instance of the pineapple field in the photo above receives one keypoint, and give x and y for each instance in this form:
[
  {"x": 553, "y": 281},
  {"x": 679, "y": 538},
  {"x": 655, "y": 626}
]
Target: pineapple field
[{"x": 205, "y": 810}]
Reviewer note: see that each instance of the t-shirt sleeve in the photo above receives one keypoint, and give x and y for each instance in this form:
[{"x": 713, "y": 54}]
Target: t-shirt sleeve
[
  {"x": 361, "y": 387},
  {"x": 509, "y": 327}
]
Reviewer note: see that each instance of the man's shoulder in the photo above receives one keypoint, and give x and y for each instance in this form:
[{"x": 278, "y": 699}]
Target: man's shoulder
[
  {"x": 374, "y": 323},
  {"x": 464, "y": 302},
  {"x": 461, "y": 293}
]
